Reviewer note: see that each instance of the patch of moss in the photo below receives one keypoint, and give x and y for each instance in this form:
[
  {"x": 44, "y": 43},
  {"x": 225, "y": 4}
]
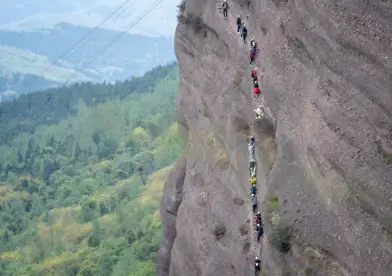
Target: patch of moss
[
  {"x": 219, "y": 231},
  {"x": 273, "y": 203},
  {"x": 272, "y": 206},
  {"x": 386, "y": 155},
  {"x": 308, "y": 271}
]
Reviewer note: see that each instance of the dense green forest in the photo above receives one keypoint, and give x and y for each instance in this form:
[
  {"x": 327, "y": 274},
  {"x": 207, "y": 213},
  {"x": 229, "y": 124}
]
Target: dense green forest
[{"x": 81, "y": 176}]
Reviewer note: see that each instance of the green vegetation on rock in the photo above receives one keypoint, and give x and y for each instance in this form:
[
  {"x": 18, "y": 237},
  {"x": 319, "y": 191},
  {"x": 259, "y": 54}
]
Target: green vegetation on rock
[
  {"x": 81, "y": 176},
  {"x": 281, "y": 238},
  {"x": 219, "y": 231}
]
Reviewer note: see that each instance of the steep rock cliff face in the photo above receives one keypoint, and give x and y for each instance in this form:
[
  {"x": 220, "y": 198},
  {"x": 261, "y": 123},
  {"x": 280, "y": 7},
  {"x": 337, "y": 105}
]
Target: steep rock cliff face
[{"x": 324, "y": 152}]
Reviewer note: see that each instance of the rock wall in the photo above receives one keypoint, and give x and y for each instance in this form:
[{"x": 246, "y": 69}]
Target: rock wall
[{"x": 323, "y": 150}]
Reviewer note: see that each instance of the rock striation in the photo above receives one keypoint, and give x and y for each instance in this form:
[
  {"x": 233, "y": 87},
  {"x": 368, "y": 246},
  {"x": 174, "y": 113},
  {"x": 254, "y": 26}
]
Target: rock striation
[{"x": 324, "y": 150}]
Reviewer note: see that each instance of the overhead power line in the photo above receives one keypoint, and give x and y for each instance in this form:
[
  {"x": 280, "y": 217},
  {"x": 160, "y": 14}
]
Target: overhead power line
[
  {"x": 81, "y": 42},
  {"x": 114, "y": 39}
]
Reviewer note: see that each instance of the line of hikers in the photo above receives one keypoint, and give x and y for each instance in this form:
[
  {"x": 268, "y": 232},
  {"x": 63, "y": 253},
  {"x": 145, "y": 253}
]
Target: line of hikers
[
  {"x": 256, "y": 92},
  {"x": 240, "y": 24},
  {"x": 253, "y": 190},
  {"x": 252, "y": 56},
  {"x": 242, "y": 29},
  {"x": 256, "y": 89}
]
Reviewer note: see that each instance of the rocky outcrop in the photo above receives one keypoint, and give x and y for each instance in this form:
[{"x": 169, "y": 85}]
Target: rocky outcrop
[
  {"x": 171, "y": 201},
  {"x": 324, "y": 152}
]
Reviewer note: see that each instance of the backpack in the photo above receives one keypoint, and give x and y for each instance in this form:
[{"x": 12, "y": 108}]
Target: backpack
[{"x": 224, "y": 5}]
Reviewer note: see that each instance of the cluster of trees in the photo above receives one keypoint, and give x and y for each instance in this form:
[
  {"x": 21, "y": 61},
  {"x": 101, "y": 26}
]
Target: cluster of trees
[{"x": 81, "y": 175}]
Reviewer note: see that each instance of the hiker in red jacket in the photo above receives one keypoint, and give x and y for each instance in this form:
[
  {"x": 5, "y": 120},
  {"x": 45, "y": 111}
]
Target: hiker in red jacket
[{"x": 256, "y": 90}]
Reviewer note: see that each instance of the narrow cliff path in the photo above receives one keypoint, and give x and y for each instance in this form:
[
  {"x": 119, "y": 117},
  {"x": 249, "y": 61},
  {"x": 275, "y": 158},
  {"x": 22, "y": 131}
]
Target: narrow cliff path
[
  {"x": 327, "y": 81},
  {"x": 232, "y": 32},
  {"x": 255, "y": 249}
]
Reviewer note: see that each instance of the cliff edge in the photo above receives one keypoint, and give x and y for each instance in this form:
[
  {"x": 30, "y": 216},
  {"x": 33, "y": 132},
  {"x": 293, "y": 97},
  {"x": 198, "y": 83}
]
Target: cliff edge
[{"x": 323, "y": 149}]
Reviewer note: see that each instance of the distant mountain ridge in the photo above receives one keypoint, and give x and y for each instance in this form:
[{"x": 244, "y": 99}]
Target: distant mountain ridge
[
  {"x": 25, "y": 55},
  {"x": 29, "y": 15}
]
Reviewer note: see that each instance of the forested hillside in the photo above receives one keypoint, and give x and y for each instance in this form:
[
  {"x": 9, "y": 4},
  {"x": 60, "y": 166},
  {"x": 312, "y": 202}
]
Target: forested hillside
[{"x": 82, "y": 171}]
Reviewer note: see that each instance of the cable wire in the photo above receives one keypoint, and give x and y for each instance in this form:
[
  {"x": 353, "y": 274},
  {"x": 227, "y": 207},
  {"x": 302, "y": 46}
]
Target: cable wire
[
  {"x": 114, "y": 39},
  {"x": 81, "y": 42}
]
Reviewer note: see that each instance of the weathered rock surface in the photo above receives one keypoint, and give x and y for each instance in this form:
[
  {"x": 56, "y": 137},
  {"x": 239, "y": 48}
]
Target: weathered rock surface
[{"x": 326, "y": 85}]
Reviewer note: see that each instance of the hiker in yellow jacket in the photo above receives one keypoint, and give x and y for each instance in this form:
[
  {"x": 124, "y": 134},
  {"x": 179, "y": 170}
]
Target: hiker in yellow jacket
[{"x": 253, "y": 180}]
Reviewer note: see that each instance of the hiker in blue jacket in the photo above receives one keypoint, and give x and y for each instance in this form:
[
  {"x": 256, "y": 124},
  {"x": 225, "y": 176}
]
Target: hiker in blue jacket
[
  {"x": 260, "y": 231},
  {"x": 244, "y": 33}
]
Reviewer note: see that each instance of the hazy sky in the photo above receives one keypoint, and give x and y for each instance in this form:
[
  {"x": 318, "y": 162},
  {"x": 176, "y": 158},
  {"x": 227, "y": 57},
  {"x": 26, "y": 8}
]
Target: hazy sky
[{"x": 28, "y": 14}]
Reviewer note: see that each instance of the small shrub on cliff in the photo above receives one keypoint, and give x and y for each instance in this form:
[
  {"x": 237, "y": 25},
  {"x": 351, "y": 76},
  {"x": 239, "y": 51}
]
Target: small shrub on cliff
[
  {"x": 192, "y": 20},
  {"x": 181, "y": 18},
  {"x": 181, "y": 6},
  {"x": 281, "y": 238},
  {"x": 181, "y": 12},
  {"x": 195, "y": 22},
  {"x": 272, "y": 206},
  {"x": 219, "y": 231}
]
